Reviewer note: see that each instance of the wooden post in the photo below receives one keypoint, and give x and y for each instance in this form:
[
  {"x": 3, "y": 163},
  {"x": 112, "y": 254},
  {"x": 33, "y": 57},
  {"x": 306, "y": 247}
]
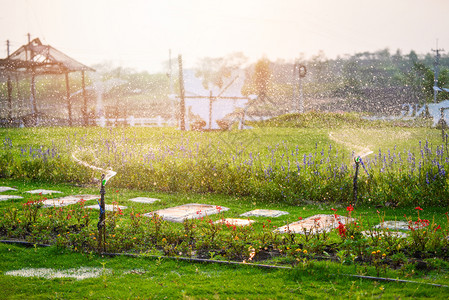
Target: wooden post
[
  {"x": 33, "y": 94},
  {"x": 182, "y": 92},
  {"x": 19, "y": 95},
  {"x": 69, "y": 104},
  {"x": 210, "y": 109},
  {"x": 83, "y": 84}
]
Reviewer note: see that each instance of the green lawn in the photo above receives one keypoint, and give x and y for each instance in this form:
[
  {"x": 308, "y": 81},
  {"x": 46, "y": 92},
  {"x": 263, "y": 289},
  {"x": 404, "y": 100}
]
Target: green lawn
[{"x": 143, "y": 278}]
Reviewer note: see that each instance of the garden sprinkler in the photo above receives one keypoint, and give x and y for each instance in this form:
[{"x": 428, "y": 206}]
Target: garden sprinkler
[
  {"x": 101, "y": 222},
  {"x": 357, "y": 161}
]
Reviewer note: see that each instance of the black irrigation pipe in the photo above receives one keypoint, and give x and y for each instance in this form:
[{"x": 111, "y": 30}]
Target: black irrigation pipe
[
  {"x": 23, "y": 243},
  {"x": 203, "y": 260},
  {"x": 199, "y": 260},
  {"x": 393, "y": 280}
]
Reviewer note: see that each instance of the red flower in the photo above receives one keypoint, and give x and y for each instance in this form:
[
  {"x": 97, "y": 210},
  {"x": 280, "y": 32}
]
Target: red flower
[
  {"x": 300, "y": 218},
  {"x": 335, "y": 210},
  {"x": 350, "y": 208},
  {"x": 439, "y": 227},
  {"x": 341, "y": 229},
  {"x": 418, "y": 208}
]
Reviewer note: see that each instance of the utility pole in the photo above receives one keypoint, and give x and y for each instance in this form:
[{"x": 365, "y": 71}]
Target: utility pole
[
  {"x": 9, "y": 87},
  {"x": 33, "y": 83},
  {"x": 170, "y": 71},
  {"x": 299, "y": 72},
  {"x": 436, "y": 72},
  {"x": 182, "y": 92}
]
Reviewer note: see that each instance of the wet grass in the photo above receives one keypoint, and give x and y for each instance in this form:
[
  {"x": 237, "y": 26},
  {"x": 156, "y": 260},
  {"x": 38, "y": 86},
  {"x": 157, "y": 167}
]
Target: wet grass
[{"x": 161, "y": 278}]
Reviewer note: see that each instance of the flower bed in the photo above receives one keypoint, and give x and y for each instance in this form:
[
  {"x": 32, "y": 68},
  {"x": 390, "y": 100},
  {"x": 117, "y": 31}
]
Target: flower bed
[{"x": 352, "y": 242}]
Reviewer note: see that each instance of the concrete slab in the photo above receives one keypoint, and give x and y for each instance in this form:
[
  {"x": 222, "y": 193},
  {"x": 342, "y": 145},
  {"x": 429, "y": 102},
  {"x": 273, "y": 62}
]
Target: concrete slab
[
  {"x": 314, "y": 224},
  {"x": 187, "y": 211},
  {"x": 9, "y": 197},
  {"x": 144, "y": 200},
  {"x": 382, "y": 233},
  {"x": 393, "y": 225},
  {"x": 6, "y": 188},
  {"x": 108, "y": 207},
  {"x": 268, "y": 213},
  {"x": 236, "y": 222},
  {"x": 43, "y": 192},
  {"x": 68, "y": 200}
]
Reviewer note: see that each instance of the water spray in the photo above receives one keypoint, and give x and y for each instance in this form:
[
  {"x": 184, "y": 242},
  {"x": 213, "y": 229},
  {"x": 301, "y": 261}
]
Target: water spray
[
  {"x": 108, "y": 174},
  {"x": 105, "y": 176}
]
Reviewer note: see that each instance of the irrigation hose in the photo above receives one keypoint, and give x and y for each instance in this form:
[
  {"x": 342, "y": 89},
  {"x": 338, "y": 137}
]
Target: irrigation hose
[
  {"x": 203, "y": 260},
  {"x": 199, "y": 260}
]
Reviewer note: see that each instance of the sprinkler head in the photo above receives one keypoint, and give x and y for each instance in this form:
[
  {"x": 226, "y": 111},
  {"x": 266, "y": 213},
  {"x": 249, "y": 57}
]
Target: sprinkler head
[{"x": 357, "y": 159}]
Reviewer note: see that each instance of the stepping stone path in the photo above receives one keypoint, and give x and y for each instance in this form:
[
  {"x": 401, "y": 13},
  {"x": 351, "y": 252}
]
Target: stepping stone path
[
  {"x": 394, "y": 225},
  {"x": 8, "y": 197},
  {"x": 144, "y": 200},
  {"x": 264, "y": 213},
  {"x": 236, "y": 222},
  {"x": 314, "y": 224},
  {"x": 43, "y": 192},
  {"x": 108, "y": 207},
  {"x": 6, "y": 188},
  {"x": 68, "y": 200},
  {"x": 187, "y": 211}
]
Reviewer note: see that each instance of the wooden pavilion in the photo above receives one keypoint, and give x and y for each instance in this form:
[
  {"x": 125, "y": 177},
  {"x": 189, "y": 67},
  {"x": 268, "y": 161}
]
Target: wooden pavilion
[{"x": 35, "y": 59}]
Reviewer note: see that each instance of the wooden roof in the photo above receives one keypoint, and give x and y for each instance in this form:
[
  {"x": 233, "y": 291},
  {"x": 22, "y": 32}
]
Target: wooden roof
[{"x": 38, "y": 59}]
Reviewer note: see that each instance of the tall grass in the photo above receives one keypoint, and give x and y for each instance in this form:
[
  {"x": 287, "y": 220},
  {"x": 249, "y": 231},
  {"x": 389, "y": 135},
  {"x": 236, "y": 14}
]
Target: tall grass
[{"x": 293, "y": 169}]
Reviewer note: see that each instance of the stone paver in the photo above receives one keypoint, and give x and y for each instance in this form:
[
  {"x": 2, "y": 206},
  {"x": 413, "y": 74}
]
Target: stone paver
[
  {"x": 79, "y": 273},
  {"x": 187, "y": 211},
  {"x": 395, "y": 234},
  {"x": 108, "y": 207},
  {"x": 68, "y": 200},
  {"x": 314, "y": 224},
  {"x": 6, "y": 188},
  {"x": 269, "y": 213},
  {"x": 144, "y": 200},
  {"x": 236, "y": 222},
  {"x": 43, "y": 192},
  {"x": 393, "y": 225},
  {"x": 9, "y": 197}
]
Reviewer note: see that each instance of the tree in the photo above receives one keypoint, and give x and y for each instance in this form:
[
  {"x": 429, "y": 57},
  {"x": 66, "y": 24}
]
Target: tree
[
  {"x": 262, "y": 77},
  {"x": 214, "y": 71}
]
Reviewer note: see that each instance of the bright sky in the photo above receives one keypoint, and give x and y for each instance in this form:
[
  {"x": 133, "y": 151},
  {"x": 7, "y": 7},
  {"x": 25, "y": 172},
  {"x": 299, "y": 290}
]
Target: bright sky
[{"x": 139, "y": 33}]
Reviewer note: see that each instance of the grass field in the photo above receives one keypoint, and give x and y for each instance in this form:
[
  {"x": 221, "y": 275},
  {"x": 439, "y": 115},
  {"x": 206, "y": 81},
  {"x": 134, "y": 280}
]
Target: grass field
[{"x": 300, "y": 164}]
